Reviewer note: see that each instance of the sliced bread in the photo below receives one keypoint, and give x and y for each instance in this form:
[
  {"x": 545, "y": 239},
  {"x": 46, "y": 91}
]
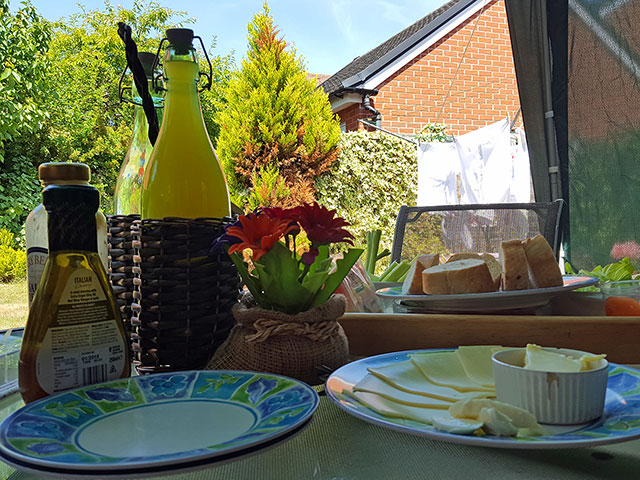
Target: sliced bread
[
  {"x": 413, "y": 281},
  {"x": 462, "y": 256},
  {"x": 494, "y": 268},
  {"x": 544, "y": 268},
  {"x": 515, "y": 272},
  {"x": 463, "y": 276}
]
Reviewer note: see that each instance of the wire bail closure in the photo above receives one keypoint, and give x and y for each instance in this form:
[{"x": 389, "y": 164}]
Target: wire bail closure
[{"x": 158, "y": 65}]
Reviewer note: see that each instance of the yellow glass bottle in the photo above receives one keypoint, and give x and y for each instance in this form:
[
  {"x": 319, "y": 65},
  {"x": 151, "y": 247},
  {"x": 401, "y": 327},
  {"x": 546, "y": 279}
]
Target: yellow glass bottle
[
  {"x": 184, "y": 177},
  {"x": 74, "y": 334}
]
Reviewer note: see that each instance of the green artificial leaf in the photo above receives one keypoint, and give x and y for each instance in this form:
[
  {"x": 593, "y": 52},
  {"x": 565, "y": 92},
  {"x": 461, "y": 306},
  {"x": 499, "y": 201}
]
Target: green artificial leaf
[
  {"x": 252, "y": 283},
  {"x": 279, "y": 272},
  {"x": 322, "y": 261},
  {"x": 343, "y": 266}
]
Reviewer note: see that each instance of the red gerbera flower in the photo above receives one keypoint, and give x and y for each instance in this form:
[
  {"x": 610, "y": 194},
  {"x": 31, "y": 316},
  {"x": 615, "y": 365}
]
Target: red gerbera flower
[
  {"x": 258, "y": 232},
  {"x": 321, "y": 225}
]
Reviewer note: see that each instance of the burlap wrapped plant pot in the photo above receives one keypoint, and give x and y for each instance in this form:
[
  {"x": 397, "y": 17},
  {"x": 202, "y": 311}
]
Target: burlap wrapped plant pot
[{"x": 275, "y": 342}]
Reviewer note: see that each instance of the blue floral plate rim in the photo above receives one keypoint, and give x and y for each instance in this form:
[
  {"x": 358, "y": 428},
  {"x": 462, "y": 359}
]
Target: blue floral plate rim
[
  {"x": 619, "y": 423},
  {"x": 46, "y": 433}
]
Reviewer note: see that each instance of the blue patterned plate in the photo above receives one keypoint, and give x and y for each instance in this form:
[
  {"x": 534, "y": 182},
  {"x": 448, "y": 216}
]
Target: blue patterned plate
[
  {"x": 153, "y": 422},
  {"x": 620, "y": 421}
]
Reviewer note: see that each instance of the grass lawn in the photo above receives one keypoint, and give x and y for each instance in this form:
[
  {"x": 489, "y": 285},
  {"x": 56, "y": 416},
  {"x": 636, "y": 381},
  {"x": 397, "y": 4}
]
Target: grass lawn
[{"x": 13, "y": 304}]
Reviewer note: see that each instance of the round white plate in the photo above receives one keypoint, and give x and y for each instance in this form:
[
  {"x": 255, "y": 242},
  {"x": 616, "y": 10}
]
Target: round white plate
[
  {"x": 156, "y": 421},
  {"x": 620, "y": 421},
  {"x": 485, "y": 302}
]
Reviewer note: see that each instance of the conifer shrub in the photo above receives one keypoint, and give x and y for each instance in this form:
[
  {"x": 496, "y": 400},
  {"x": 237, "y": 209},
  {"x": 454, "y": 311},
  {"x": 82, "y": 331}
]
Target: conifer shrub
[{"x": 275, "y": 116}]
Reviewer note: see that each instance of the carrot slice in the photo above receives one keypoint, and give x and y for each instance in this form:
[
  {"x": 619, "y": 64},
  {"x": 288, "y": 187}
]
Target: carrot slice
[{"x": 622, "y": 307}]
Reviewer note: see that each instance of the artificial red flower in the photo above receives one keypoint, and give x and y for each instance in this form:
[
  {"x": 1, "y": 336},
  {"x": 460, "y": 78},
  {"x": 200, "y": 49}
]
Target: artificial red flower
[
  {"x": 278, "y": 212},
  {"x": 321, "y": 225},
  {"x": 283, "y": 214},
  {"x": 258, "y": 232}
]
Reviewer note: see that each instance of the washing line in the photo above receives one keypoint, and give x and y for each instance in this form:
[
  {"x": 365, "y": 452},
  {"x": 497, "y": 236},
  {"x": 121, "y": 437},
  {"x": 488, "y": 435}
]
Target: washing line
[{"x": 464, "y": 53}]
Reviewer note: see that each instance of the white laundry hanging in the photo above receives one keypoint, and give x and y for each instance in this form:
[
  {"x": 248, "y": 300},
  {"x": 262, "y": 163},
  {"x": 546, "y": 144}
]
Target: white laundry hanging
[
  {"x": 478, "y": 167},
  {"x": 486, "y": 163},
  {"x": 438, "y": 170}
]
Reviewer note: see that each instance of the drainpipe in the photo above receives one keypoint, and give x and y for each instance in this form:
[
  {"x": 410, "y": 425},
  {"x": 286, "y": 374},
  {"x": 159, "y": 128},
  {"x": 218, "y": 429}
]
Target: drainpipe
[{"x": 367, "y": 105}]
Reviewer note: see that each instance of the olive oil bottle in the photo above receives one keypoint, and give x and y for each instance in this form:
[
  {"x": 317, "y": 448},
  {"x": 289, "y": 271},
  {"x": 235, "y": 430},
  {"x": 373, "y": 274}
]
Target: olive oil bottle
[{"x": 74, "y": 335}]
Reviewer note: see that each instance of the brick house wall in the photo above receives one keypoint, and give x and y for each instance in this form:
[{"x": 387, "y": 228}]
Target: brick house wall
[{"x": 484, "y": 90}]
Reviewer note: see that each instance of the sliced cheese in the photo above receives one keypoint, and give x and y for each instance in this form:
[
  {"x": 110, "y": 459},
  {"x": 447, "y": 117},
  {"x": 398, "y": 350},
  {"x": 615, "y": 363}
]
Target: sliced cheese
[
  {"x": 445, "y": 369},
  {"x": 392, "y": 409},
  {"x": 460, "y": 426},
  {"x": 496, "y": 423},
  {"x": 476, "y": 362},
  {"x": 520, "y": 418},
  {"x": 590, "y": 362},
  {"x": 372, "y": 384},
  {"x": 537, "y": 358},
  {"x": 406, "y": 377}
]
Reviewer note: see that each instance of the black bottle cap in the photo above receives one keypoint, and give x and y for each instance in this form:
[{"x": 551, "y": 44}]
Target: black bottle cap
[
  {"x": 180, "y": 36},
  {"x": 84, "y": 197},
  {"x": 71, "y": 217}
]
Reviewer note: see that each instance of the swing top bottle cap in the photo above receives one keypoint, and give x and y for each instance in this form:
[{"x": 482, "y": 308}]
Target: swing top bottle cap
[
  {"x": 180, "y": 36},
  {"x": 147, "y": 59},
  {"x": 62, "y": 171}
]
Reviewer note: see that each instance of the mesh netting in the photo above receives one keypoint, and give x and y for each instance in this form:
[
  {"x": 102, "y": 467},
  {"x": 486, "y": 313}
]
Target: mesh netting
[
  {"x": 603, "y": 129},
  {"x": 466, "y": 228}
]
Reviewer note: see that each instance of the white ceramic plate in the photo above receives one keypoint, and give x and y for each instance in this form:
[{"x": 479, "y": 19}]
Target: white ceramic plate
[
  {"x": 485, "y": 302},
  {"x": 159, "y": 422},
  {"x": 620, "y": 421}
]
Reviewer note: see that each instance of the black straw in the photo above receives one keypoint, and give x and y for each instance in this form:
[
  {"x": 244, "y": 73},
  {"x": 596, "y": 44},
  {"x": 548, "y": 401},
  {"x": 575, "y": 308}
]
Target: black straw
[{"x": 140, "y": 79}]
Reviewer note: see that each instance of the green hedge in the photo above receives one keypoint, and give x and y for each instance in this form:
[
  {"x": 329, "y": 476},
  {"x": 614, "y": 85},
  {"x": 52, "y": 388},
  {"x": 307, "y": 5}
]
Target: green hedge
[
  {"x": 374, "y": 175},
  {"x": 13, "y": 261}
]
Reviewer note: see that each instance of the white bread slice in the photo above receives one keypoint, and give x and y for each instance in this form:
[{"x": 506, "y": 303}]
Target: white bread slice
[
  {"x": 464, "y": 276},
  {"x": 413, "y": 282},
  {"x": 461, "y": 256},
  {"x": 515, "y": 271},
  {"x": 494, "y": 268},
  {"x": 543, "y": 265}
]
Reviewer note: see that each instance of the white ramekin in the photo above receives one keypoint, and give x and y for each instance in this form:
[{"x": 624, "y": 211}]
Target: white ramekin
[{"x": 560, "y": 398}]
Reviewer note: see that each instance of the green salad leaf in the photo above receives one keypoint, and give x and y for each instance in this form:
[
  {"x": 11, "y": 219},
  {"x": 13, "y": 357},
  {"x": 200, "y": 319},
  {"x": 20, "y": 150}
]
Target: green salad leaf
[{"x": 613, "y": 272}]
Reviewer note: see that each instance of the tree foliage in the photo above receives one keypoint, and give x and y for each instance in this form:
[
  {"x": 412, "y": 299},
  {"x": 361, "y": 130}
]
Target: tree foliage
[
  {"x": 62, "y": 93},
  {"x": 24, "y": 39},
  {"x": 274, "y": 115}
]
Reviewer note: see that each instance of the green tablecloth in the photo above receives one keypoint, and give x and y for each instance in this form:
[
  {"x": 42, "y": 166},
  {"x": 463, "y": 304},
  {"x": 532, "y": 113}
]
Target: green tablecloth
[{"x": 337, "y": 446}]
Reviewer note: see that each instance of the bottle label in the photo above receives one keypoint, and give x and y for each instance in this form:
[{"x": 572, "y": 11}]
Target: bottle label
[
  {"x": 36, "y": 259},
  {"x": 84, "y": 344}
]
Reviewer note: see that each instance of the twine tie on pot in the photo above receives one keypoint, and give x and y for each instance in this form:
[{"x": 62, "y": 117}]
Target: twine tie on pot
[{"x": 266, "y": 327}]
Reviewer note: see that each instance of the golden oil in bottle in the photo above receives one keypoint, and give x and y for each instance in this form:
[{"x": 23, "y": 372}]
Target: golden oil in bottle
[{"x": 74, "y": 335}]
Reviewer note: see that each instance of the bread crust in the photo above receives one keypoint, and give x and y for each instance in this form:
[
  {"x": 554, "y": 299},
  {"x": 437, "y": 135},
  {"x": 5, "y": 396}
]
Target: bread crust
[
  {"x": 462, "y": 256},
  {"x": 494, "y": 268},
  {"x": 413, "y": 282},
  {"x": 515, "y": 270},
  {"x": 543, "y": 265},
  {"x": 462, "y": 276}
]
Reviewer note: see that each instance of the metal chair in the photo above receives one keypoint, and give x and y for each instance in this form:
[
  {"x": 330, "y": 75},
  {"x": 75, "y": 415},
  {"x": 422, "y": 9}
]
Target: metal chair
[{"x": 473, "y": 228}]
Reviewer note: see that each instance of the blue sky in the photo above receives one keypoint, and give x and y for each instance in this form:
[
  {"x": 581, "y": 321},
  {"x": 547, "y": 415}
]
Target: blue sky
[{"x": 328, "y": 33}]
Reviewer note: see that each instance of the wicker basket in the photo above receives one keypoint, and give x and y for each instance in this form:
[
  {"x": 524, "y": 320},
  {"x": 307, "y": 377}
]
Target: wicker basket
[
  {"x": 121, "y": 263},
  {"x": 181, "y": 296}
]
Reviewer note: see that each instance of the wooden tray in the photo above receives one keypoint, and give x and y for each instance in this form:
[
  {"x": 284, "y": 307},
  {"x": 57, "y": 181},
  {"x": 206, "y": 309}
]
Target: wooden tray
[{"x": 374, "y": 333}]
